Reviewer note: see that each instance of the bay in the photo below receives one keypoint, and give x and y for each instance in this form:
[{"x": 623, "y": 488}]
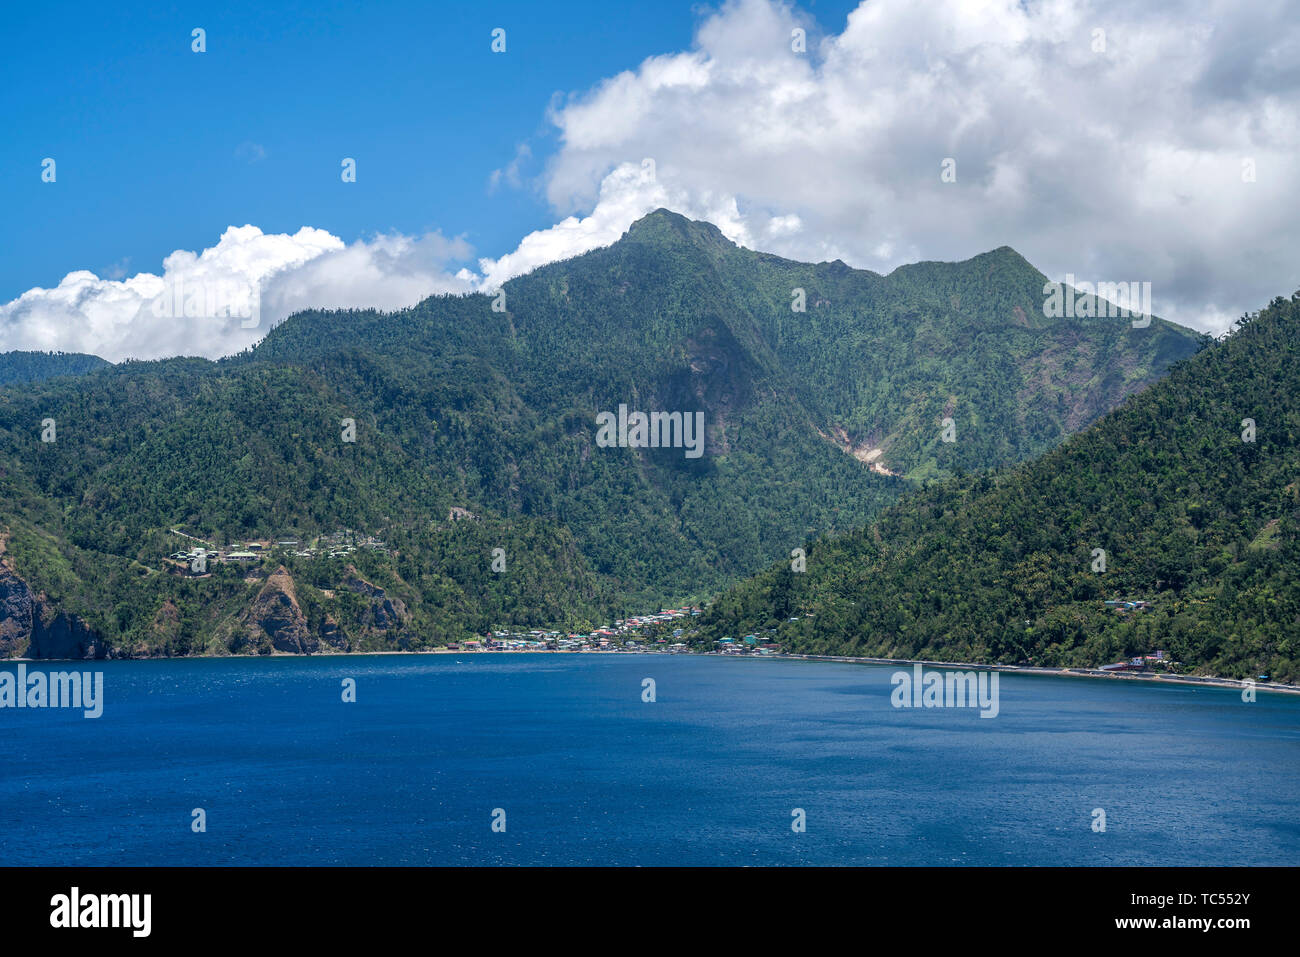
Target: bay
[{"x": 587, "y": 772}]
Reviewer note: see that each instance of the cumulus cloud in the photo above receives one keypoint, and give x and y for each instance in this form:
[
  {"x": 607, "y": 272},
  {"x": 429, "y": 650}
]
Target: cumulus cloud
[
  {"x": 626, "y": 194},
  {"x": 1113, "y": 141},
  {"x": 510, "y": 173},
  {"x": 225, "y": 298},
  {"x": 388, "y": 272}
]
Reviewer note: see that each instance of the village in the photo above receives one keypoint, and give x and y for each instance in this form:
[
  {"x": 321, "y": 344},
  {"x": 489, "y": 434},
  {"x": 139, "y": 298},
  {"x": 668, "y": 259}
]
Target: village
[
  {"x": 635, "y": 633},
  {"x": 195, "y": 560},
  {"x": 754, "y": 644},
  {"x": 638, "y": 633}
]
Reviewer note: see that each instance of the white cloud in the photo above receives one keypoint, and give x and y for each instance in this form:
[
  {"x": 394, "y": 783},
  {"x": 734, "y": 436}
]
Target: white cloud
[
  {"x": 225, "y": 298},
  {"x": 1113, "y": 165},
  {"x": 388, "y": 272},
  {"x": 626, "y": 194},
  {"x": 510, "y": 174}
]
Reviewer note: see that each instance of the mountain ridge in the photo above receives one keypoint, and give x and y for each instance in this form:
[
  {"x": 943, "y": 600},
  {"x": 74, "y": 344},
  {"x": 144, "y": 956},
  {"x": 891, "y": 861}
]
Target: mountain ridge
[
  {"x": 456, "y": 404},
  {"x": 1185, "y": 492}
]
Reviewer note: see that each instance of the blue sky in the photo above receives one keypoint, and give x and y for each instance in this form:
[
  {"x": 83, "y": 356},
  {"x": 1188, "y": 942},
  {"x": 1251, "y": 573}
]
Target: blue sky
[
  {"x": 1101, "y": 139},
  {"x": 160, "y": 148}
]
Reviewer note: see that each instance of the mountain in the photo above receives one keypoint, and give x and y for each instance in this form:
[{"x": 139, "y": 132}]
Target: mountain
[
  {"x": 489, "y": 406},
  {"x": 21, "y": 367},
  {"x": 1190, "y": 488}
]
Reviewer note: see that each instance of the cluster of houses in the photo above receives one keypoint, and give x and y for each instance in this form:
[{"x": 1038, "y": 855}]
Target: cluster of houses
[
  {"x": 626, "y": 634},
  {"x": 338, "y": 544},
  {"x": 754, "y": 644},
  {"x": 639, "y": 623},
  {"x": 197, "y": 559},
  {"x": 748, "y": 645},
  {"x": 1123, "y": 606},
  {"x": 1140, "y": 663}
]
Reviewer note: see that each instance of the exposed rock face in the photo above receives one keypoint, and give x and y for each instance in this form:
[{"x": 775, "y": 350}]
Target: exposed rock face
[
  {"x": 332, "y": 636},
  {"x": 17, "y": 608},
  {"x": 387, "y": 614},
  {"x": 384, "y": 613},
  {"x": 63, "y": 636},
  {"x": 30, "y": 627},
  {"x": 276, "y": 616},
  {"x": 353, "y": 581}
]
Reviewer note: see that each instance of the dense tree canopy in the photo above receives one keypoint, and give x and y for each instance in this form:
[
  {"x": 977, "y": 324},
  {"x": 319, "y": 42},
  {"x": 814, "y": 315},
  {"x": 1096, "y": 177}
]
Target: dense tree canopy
[
  {"x": 460, "y": 405},
  {"x": 1191, "y": 489}
]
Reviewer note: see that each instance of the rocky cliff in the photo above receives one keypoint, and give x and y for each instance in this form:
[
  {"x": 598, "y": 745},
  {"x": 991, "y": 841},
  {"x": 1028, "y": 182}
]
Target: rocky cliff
[
  {"x": 384, "y": 615},
  {"x": 275, "y": 619},
  {"x": 30, "y": 627}
]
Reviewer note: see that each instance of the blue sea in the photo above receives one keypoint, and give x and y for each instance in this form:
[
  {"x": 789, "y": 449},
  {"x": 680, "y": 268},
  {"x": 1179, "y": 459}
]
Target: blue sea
[{"x": 563, "y": 752}]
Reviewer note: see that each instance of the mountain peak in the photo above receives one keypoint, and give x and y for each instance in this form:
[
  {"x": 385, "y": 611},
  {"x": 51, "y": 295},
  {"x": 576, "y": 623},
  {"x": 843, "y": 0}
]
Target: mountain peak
[
  {"x": 665, "y": 226},
  {"x": 1004, "y": 254}
]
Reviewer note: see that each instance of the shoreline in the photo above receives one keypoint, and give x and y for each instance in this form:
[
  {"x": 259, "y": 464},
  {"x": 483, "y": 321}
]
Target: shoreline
[
  {"x": 1150, "y": 677},
  {"x": 1141, "y": 676}
]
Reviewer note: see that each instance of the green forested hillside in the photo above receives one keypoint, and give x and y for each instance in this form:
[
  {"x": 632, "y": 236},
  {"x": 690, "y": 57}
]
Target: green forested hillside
[
  {"x": 460, "y": 405},
  {"x": 18, "y": 367},
  {"x": 1000, "y": 567}
]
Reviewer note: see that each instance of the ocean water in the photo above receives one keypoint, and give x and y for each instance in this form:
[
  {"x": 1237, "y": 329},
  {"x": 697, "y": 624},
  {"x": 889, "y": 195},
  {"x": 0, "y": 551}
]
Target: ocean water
[{"x": 586, "y": 772}]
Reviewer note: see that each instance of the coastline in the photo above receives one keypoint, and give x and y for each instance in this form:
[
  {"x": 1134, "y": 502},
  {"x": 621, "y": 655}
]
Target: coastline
[{"x": 1147, "y": 677}]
